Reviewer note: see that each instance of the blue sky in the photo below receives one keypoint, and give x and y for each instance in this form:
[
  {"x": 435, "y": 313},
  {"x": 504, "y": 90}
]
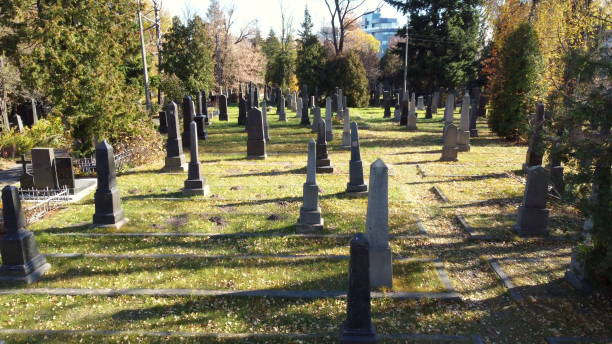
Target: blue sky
[{"x": 267, "y": 12}]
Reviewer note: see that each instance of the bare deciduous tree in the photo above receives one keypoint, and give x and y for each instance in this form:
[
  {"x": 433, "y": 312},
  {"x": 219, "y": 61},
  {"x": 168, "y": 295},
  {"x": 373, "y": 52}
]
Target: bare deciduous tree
[{"x": 344, "y": 14}]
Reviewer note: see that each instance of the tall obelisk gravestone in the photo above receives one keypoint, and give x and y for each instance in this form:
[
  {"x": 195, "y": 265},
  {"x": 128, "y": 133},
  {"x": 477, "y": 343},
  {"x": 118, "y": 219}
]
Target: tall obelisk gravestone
[
  {"x": 310, "y": 213},
  {"x": 195, "y": 185},
  {"x": 21, "y": 261},
  {"x": 175, "y": 161},
  {"x": 109, "y": 212},
  {"x": 377, "y": 226},
  {"x": 356, "y": 186},
  {"x": 358, "y": 327},
  {"x": 463, "y": 138}
]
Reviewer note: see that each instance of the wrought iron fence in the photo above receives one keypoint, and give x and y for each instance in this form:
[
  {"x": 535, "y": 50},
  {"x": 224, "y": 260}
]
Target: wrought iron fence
[{"x": 46, "y": 200}]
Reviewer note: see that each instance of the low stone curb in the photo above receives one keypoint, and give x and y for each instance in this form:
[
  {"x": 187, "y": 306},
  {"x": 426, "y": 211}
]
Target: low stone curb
[
  {"x": 272, "y": 293},
  {"x": 227, "y": 235},
  {"x": 506, "y": 280},
  {"x": 571, "y": 340},
  {"x": 436, "y": 190},
  {"x": 470, "y": 230},
  {"x": 476, "y": 339}
]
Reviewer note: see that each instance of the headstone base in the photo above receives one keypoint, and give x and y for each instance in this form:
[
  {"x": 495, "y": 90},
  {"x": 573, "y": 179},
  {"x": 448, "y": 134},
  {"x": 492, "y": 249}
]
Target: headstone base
[
  {"x": 282, "y": 117},
  {"x": 310, "y": 221},
  {"x": 356, "y": 190},
  {"x": 396, "y": 115},
  {"x": 473, "y": 132},
  {"x": 411, "y": 128},
  {"x": 33, "y": 276},
  {"x": 532, "y": 222},
  {"x": 463, "y": 148},
  {"x": 116, "y": 225},
  {"x": 26, "y": 263},
  {"x": 202, "y": 190},
  {"x": 449, "y": 154},
  {"x": 463, "y": 141},
  {"x": 351, "y": 336},
  {"x": 175, "y": 164},
  {"x": 324, "y": 166},
  {"x": 381, "y": 270},
  {"x": 257, "y": 157}
]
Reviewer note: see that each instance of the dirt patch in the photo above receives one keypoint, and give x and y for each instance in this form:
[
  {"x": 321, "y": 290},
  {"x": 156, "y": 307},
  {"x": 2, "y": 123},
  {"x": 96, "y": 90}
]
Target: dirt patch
[
  {"x": 179, "y": 220},
  {"x": 219, "y": 221}
]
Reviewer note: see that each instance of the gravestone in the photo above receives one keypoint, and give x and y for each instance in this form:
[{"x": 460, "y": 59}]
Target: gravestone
[
  {"x": 310, "y": 219},
  {"x": 323, "y": 163},
  {"x": 305, "y": 120},
  {"x": 535, "y": 150},
  {"x": 405, "y": 109},
  {"x": 329, "y": 133},
  {"x": 412, "y": 108},
  {"x": 473, "y": 118},
  {"x": 19, "y": 123},
  {"x": 108, "y": 210},
  {"x": 411, "y": 121},
  {"x": 316, "y": 117},
  {"x": 188, "y": 116},
  {"x": 449, "y": 110},
  {"x": 328, "y": 106},
  {"x": 44, "y": 169},
  {"x": 21, "y": 260},
  {"x": 34, "y": 112},
  {"x": 175, "y": 161},
  {"x": 204, "y": 110},
  {"x": 65, "y": 174},
  {"x": 346, "y": 132},
  {"x": 26, "y": 180},
  {"x": 334, "y": 99},
  {"x": 282, "y": 115},
  {"x": 377, "y": 226},
  {"x": 356, "y": 185},
  {"x": 298, "y": 111},
  {"x": 358, "y": 327},
  {"x": 532, "y": 214},
  {"x": 223, "y": 115},
  {"x": 386, "y": 104},
  {"x": 449, "y": 146},
  {"x": 428, "y": 113},
  {"x": 195, "y": 185},
  {"x": 266, "y": 125},
  {"x": 201, "y": 127},
  {"x": 555, "y": 169},
  {"x": 435, "y": 103},
  {"x": 163, "y": 124},
  {"x": 421, "y": 103},
  {"x": 242, "y": 111},
  {"x": 256, "y": 143},
  {"x": 463, "y": 140},
  {"x": 397, "y": 113}
]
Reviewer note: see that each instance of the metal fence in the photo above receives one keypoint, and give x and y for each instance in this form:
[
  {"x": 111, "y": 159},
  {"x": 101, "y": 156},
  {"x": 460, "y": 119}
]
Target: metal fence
[{"x": 46, "y": 201}]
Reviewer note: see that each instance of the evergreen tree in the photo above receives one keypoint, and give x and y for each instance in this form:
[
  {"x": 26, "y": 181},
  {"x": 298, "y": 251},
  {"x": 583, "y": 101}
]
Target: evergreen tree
[
  {"x": 78, "y": 56},
  {"x": 445, "y": 37},
  {"x": 348, "y": 73},
  {"x": 188, "y": 54},
  {"x": 311, "y": 58},
  {"x": 521, "y": 65}
]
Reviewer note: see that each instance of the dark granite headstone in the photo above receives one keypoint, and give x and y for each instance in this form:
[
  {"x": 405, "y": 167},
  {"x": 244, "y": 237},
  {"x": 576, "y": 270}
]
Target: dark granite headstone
[
  {"x": 324, "y": 165},
  {"x": 21, "y": 261},
  {"x": 175, "y": 161},
  {"x": 358, "y": 327},
  {"x": 188, "y": 115},
  {"x": 532, "y": 214},
  {"x": 109, "y": 212},
  {"x": 282, "y": 115},
  {"x": 43, "y": 168},
  {"x": 195, "y": 185},
  {"x": 356, "y": 184},
  {"x": 242, "y": 111},
  {"x": 65, "y": 174},
  {"x": 26, "y": 180},
  {"x": 223, "y": 115},
  {"x": 405, "y": 103},
  {"x": 256, "y": 144},
  {"x": 163, "y": 123},
  {"x": 305, "y": 120},
  {"x": 386, "y": 104}
]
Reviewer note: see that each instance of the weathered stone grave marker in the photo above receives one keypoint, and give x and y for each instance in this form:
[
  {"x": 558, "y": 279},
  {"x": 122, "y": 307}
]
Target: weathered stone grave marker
[
  {"x": 532, "y": 214},
  {"x": 377, "y": 226},
  {"x": 310, "y": 219},
  {"x": 356, "y": 186},
  {"x": 108, "y": 209},
  {"x": 449, "y": 146},
  {"x": 223, "y": 115},
  {"x": 324, "y": 165},
  {"x": 44, "y": 168},
  {"x": 175, "y": 161},
  {"x": 463, "y": 140}
]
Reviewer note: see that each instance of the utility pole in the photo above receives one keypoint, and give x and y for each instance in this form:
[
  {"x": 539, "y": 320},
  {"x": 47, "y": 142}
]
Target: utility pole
[
  {"x": 144, "y": 59},
  {"x": 406, "y": 59},
  {"x": 155, "y": 24}
]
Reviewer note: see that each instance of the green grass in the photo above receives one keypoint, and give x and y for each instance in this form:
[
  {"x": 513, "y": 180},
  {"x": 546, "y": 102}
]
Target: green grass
[{"x": 246, "y": 193}]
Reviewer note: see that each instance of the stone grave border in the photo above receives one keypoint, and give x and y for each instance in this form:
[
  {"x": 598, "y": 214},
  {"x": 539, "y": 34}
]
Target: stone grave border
[
  {"x": 448, "y": 294},
  {"x": 506, "y": 280},
  {"x": 439, "y": 194},
  {"x": 475, "y": 338},
  {"x": 571, "y": 340}
]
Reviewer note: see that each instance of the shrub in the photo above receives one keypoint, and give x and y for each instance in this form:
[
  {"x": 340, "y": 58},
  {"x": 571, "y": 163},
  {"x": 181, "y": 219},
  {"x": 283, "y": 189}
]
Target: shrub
[
  {"x": 516, "y": 90},
  {"x": 48, "y": 132},
  {"x": 348, "y": 73}
]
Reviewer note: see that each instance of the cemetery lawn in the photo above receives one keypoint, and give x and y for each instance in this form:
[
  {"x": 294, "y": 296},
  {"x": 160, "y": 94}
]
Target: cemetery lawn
[{"x": 255, "y": 205}]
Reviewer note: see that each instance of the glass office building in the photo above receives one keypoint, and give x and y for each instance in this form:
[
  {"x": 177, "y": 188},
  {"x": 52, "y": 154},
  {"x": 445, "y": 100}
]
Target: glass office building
[{"x": 381, "y": 28}]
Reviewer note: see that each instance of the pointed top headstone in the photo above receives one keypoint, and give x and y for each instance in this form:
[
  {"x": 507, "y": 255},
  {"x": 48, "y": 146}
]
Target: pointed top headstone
[
  {"x": 311, "y": 167},
  {"x": 377, "y": 220},
  {"x": 14, "y": 220}
]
